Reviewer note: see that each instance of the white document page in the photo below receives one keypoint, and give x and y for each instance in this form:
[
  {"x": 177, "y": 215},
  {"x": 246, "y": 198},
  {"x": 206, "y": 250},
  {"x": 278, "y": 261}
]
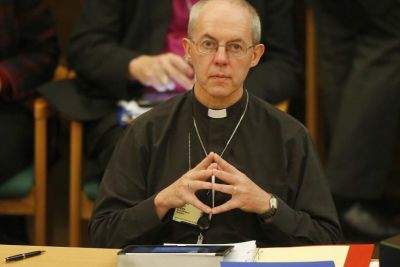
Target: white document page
[
  {"x": 374, "y": 263},
  {"x": 242, "y": 252}
]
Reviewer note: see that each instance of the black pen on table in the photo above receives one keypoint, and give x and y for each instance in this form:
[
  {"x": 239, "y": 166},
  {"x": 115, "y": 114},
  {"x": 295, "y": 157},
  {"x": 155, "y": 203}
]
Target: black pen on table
[{"x": 23, "y": 256}]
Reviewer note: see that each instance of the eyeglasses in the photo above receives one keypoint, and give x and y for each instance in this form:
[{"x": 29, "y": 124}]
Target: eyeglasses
[{"x": 235, "y": 49}]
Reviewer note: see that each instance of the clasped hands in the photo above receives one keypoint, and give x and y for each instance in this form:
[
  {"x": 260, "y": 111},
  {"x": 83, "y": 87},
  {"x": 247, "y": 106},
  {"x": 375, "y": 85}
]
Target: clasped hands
[
  {"x": 162, "y": 72},
  {"x": 246, "y": 195}
]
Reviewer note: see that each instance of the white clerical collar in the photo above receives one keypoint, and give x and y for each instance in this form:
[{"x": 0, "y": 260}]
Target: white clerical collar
[{"x": 217, "y": 113}]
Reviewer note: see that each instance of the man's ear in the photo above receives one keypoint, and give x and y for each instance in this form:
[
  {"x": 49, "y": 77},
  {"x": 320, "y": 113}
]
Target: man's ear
[
  {"x": 258, "y": 51},
  {"x": 187, "y": 48}
]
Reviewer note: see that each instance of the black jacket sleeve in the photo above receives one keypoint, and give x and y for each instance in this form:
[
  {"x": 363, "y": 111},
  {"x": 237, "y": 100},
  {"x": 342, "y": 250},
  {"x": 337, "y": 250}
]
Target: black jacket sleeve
[
  {"x": 97, "y": 51},
  {"x": 309, "y": 215}
]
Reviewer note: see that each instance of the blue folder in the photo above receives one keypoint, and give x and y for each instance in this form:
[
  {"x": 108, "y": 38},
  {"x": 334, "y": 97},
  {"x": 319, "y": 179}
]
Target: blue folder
[{"x": 279, "y": 264}]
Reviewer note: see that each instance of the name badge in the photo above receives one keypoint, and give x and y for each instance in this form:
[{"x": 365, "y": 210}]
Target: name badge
[{"x": 187, "y": 214}]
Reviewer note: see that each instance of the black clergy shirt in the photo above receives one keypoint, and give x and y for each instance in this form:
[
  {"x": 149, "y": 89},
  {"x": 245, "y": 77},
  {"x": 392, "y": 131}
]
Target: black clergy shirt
[{"x": 269, "y": 146}]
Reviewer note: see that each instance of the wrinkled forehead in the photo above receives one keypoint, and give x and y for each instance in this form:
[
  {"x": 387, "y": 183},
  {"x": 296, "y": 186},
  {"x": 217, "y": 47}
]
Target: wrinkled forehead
[{"x": 223, "y": 21}]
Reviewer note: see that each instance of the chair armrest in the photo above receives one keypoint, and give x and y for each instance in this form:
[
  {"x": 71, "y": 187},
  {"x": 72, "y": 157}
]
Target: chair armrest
[
  {"x": 40, "y": 108},
  {"x": 283, "y": 106},
  {"x": 63, "y": 72}
]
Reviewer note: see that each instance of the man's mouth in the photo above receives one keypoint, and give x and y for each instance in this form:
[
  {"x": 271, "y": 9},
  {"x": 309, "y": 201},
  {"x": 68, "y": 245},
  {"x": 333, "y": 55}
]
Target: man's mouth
[{"x": 220, "y": 76}]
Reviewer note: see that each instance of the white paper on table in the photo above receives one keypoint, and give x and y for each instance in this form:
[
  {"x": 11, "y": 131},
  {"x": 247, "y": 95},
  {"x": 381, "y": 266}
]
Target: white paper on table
[
  {"x": 241, "y": 252},
  {"x": 374, "y": 263}
]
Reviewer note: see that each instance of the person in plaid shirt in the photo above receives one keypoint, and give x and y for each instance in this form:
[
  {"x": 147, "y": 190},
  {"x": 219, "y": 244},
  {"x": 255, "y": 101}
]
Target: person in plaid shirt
[{"x": 28, "y": 56}]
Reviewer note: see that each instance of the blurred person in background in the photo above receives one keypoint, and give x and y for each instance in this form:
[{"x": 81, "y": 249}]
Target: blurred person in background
[
  {"x": 28, "y": 56},
  {"x": 359, "y": 53}
]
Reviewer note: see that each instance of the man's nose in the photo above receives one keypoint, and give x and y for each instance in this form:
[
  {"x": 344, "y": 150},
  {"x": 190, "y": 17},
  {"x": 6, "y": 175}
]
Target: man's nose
[{"x": 221, "y": 56}]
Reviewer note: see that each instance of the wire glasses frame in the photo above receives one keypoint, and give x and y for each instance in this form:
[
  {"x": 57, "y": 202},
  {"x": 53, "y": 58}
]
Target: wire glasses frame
[{"x": 210, "y": 47}]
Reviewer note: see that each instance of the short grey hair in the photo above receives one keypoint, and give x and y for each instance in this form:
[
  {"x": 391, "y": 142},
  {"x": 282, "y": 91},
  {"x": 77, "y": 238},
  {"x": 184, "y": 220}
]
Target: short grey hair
[{"x": 255, "y": 18}]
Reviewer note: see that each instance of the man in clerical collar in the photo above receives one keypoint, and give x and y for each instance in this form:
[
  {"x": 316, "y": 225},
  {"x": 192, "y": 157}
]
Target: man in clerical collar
[{"x": 216, "y": 164}]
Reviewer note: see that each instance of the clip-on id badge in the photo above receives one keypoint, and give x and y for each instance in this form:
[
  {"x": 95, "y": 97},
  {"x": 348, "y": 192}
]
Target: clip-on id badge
[{"x": 187, "y": 214}]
